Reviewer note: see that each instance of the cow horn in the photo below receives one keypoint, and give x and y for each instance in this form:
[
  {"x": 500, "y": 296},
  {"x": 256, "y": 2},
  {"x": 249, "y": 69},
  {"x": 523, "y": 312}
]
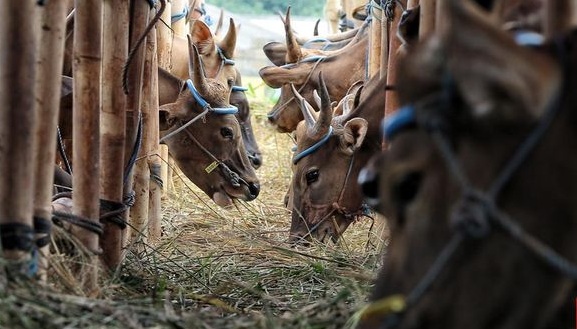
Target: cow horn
[
  {"x": 317, "y": 98},
  {"x": 228, "y": 43},
  {"x": 219, "y": 24},
  {"x": 294, "y": 53},
  {"x": 306, "y": 108},
  {"x": 326, "y": 113},
  {"x": 195, "y": 69}
]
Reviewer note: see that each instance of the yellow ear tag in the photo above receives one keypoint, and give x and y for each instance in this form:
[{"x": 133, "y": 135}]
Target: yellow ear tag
[{"x": 211, "y": 167}]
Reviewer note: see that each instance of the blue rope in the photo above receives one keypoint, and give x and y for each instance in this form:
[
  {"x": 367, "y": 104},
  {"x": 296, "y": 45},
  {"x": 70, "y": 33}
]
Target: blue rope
[
  {"x": 204, "y": 104},
  {"x": 313, "y": 147},
  {"x": 400, "y": 120},
  {"x": 239, "y": 88},
  {"x": 178, "y": 17}
]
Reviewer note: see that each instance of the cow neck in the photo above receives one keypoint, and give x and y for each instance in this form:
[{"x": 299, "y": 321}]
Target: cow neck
[{"x": 476, "y": 211}]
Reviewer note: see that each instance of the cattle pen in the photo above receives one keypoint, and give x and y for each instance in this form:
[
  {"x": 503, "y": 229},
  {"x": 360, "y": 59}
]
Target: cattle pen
[
  {"x": 213, "y": 268},
  {"x": 164, "y": 171},
  {"x": 199, "y": 265}
]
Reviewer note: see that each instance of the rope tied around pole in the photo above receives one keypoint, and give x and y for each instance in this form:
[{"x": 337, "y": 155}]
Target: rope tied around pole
[{"x": 113, "y": 212}]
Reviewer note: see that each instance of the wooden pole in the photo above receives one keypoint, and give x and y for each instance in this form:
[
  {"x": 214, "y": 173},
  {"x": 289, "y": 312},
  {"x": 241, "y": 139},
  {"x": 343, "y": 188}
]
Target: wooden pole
[
  {"x": 178, "y": 8},
  {"x": 139, "y": 212},
  {"x": 384, "y": 46},
  {"x": 17, "y": 76},
  {"x": 428, "y": 13},
  {"x": 139, "y": 20},
  {"x": 113, "y": 131},
  {"x": 392, "y": 101},
  {"x": 86, "y": 118},
  {"x": 154, "y": 161},
  {"x": 164, "y": 169},
  {"x": 375, "y": 39},
  {"x": 48, "y": 85},
  {"x": 558, "y": 17},
  {"x": 164, "y": 38}
]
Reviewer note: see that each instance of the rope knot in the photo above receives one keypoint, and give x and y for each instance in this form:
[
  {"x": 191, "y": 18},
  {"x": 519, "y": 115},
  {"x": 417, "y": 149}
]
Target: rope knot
[{"x": 471, "y": 214}]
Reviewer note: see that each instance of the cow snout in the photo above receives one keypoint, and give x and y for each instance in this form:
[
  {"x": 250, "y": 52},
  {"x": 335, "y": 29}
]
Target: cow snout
[
  {"x": 255, "y": 160},
  {"x": 300, "y": 239},
  {"x": 369, "y": 182},
  {"x": 254, "y": 190}
]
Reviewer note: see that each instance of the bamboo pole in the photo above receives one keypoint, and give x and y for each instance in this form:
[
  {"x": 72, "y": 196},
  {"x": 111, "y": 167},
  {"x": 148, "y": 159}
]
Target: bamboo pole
[
  {"x": 558, "y": 17},
  {"x": 113, "y": 131},
  {"x": 86, "y": 118},
  {"x": 178, "y": 8},
  {"x": 48, "y": 85},
  {"x": 17, "y": 76},
  {"x": 140, "y": 17},
  {"x": 384, "y": 46},
  {"x": 375, "y": 38},
  {"x": 154, "y": 162},
  {"x": 164, "y": 38},
  {"x": 139, "y": 212},
  {"x": 428, "y": 13},
  {"x": 164, "y": 169},
  {"x": 392, "y": 101}
]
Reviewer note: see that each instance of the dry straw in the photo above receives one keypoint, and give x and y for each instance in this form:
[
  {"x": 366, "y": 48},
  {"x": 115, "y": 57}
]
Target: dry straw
[{"x": 213, "y": 268}]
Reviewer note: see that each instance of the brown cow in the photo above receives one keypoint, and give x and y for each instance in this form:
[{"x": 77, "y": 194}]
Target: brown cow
[
  {"x": 286, "y": 114},
  {"x": 479, "y": 183},
  {"x": 330, "y": 152},
  {"x": 210, "y": 152}
]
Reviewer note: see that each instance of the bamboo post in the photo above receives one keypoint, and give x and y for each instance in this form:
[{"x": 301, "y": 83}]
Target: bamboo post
[
  {"x": 392, "y": 99},
  {"x": 375, "y": 38},
  {"x": 154, "y": 161},
  {"x": 139, "y": 212},
  {"x": 164, "y": 169},
  {"x": 17, "y": 76},
  {"x": 86, "y": 118},
  {"x": 164, "y": 39},
  {"x": 164, "y": 50},
  {"x": 48, "y": 85},
  {"x": 113, "y": 132},
  {"x": 427, "y": 19},
  {"x": 558, "y": 17},
  {"x": 140, "y": 16},
  {"x": 384, "y": 56},
  {"x": 179, "y": 7}
]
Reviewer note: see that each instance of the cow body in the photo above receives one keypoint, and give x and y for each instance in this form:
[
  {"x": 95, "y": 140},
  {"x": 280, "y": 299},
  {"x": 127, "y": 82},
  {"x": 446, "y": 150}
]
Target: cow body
[{"x": 477, "y": 98}]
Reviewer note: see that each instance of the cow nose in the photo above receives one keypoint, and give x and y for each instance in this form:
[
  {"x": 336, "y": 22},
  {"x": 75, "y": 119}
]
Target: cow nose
[
  {"x": 369, "y": 182},
  {"x": 253, "y": 189},
  {"x": 255, "y": 159}
]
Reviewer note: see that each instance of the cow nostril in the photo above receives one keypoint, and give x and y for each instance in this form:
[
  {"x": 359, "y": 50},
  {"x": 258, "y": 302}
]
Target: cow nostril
[
  {"x": 256, "y": 161},
  {"x": 253, "y": 189},
  {"x": 369, "y": 184}
]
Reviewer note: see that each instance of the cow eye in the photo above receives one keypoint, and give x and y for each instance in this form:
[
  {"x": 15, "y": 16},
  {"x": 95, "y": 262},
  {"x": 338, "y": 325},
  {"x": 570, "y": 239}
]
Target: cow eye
[
  {"x": 230, "y": 82},
  {"x": 226, "y": 132},
  {"x": 312, "y": 176}
]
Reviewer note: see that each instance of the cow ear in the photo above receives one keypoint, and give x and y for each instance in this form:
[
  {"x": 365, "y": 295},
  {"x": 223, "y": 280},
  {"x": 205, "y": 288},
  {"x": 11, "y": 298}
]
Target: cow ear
[
  {"x": 354, "y": 134},
  {"x": 276, "y": 77},
  {"x": 169, "y": 113},
  {"x": 202, "y": 37},
  {"x": 499, "y": 79},
  {"x": 275, "y": 52}
]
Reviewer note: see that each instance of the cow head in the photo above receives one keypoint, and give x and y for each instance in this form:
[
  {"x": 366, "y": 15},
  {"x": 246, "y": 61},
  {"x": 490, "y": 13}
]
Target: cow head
[
  {"x": 210, "y": 151},
  {"x": 324, "y": 195},
  {"x": 302, "y": 71},
  {"x": 216, "y": 54},
  {"x": 472, "y": 98},
  {"x": 238, "y": 98}
]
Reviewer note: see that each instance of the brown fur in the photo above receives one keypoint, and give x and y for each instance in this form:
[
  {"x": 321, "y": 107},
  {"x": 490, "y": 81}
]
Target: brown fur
[{"x": 501, "y": 91}]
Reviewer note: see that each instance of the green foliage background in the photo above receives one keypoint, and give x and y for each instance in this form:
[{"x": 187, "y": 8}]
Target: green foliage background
[{"x": 267, "y": 7}]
